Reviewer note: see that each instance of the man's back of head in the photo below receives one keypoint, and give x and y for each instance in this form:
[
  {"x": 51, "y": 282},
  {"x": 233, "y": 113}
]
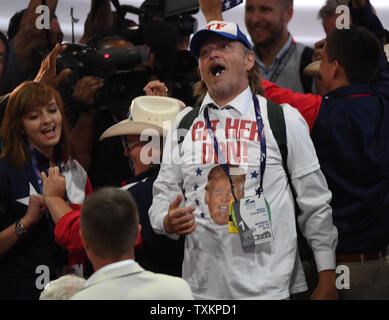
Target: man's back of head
[{"x": 109, "y": 225}]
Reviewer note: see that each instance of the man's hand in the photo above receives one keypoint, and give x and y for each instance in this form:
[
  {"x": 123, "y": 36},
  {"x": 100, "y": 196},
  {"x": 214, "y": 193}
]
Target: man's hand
[
  {"x": 179, "y": 220},
  {"x": 36, "y": 207},
  {"x": 54, "y": 185},
  {"x": 86, "y": 89},
  {"x": 47, "y": 73},
  {"x": 319, "y": 47},
  {"x": 212, "y": 9},
  {"x": 357, "y": 4},
  {"x": 317, "y": 55},
  {"x": 326, "y": 289},
  {"x": 156, "y": 88}
]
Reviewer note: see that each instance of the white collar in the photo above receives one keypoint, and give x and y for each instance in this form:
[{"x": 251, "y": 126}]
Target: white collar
[
  {"x": 106, "y": 268},
  {"x": 240, "y": 102}
]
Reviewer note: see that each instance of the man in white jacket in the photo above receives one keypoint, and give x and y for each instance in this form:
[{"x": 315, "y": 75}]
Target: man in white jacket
[{"x": 109, "y": 227}]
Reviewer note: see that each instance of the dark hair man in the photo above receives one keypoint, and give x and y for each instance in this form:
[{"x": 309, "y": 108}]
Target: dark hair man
[
  {"x": 339, "y": 66},
  {"x": 350, "y": 133},
  {"x": 232, "y": 124},
  {"x": 109, "y": 227}
]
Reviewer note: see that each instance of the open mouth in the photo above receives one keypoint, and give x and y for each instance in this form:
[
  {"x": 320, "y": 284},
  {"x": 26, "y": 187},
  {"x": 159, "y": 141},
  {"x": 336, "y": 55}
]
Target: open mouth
[
  {"x": 224, "y": 211},
  {"x": 49, "y": 132},
  {"x": 258, "y": 29},
  {"x": 133, "y": 144},
  {"x": 217, "y": 70}
]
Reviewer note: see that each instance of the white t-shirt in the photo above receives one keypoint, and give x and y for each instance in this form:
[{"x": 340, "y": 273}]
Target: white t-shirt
[{"x": 215, "y": 264}]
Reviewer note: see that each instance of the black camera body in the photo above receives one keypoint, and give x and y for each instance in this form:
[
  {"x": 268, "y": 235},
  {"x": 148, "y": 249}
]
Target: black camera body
[
  {"x": 178, "y": 13},
  {"x": 160, "y": 22},
  {"x": 114, "y": 65},
  {"x": 162, "y": 25}
]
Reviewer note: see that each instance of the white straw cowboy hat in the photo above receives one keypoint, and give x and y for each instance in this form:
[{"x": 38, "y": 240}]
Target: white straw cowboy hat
[
  {"x": 151, "y": 115},
  {"x": 313, "y": 69}
]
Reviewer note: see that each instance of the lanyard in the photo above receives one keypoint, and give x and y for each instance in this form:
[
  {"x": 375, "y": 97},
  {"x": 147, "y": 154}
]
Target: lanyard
[
  {"x": 220, "y": 156},
  {"x": 282, "y": 62},
  {"x": 261, "y": 133},
  {"x": 37, "y": 171}
]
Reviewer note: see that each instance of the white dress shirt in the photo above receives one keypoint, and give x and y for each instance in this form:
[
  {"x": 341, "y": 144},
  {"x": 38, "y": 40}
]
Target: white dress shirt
[{"x": 215, "y": 264}]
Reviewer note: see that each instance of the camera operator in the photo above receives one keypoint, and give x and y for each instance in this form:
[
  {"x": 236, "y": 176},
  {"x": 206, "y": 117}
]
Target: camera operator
[
  {"x": 29, "y": 45},
  {"x": 168, "y": 35},
  {"x": 91, "y": 116},
  {"x": 100, "y": 100}
]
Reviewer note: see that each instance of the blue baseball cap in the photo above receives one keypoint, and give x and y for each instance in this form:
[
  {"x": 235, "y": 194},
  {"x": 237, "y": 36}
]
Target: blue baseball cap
[{"x": 229, "y": 30}]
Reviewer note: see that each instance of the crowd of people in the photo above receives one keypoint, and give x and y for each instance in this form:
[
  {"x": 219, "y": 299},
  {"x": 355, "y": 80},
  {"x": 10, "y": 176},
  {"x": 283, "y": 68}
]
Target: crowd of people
[{"x": 230, "y": 166}]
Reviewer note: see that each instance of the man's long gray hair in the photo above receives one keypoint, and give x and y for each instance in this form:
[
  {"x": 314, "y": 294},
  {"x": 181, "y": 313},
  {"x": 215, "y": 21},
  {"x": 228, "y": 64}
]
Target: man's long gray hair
[{"x": 255, "y": 83}]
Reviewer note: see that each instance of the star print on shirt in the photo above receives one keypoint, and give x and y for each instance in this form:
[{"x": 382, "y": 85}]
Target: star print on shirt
[
  {"x": 258, "y": 191},
  {"x": 228, "y": 4},
  {"x": 195, "y": 187},
  {"x": 198, "y": 172},
  {"x": 197, "y": 202},
  {"x": 202, "y": 214},
  {"x": 25, "y": 200},
  {"x": 254, "y": 175}
]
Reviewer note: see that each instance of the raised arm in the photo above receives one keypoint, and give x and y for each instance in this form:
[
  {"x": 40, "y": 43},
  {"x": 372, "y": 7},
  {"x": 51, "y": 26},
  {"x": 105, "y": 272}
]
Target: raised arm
[
  {"x": 362, "y": 14},
  {"x": 99, "y": 19},
  {"x": 47, "y": 74},
  {"x": 212, "y": 9},
  {"x": 29, "y": 37},
  {"x": 357, "y": 4},
  {"x": 308, "y": 104},
  {"x": 66, "y": 216}
]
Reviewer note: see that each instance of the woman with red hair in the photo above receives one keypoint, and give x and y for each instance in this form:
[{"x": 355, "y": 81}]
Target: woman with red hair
[{"x": 35, "y": 138}]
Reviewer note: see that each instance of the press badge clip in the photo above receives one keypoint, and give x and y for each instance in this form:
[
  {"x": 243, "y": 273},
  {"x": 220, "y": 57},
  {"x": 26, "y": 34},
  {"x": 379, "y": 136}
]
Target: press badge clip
[{"x": 251, "y": 218}]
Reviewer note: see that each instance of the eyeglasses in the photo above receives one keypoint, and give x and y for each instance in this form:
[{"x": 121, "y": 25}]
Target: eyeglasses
[{"x": 132, "y": 144}]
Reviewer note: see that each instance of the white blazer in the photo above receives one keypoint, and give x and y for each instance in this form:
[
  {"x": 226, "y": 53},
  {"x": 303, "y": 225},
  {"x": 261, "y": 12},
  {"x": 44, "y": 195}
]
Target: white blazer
[{"x": 132, "y": 282}]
